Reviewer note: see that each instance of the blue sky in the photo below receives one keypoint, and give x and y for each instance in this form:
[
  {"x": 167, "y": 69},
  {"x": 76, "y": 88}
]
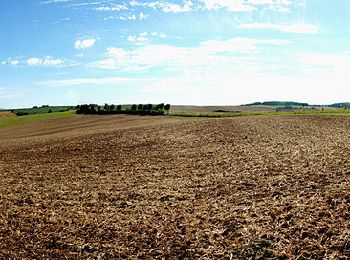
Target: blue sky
[{"x": 218, "y": 52}]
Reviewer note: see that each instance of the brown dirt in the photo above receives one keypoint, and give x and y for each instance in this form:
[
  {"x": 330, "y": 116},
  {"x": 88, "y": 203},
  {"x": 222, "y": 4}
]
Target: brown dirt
[
  {"x": 6, "y": 114},
  {"x": 141, "y": 187},
  {"x": 211, "y": 109}
]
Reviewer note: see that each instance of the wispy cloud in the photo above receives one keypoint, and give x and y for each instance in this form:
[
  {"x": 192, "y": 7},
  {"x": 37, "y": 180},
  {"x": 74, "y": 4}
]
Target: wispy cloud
[
  {"x": 209, "y": 53},
  {"x": 134, "y": 17},
  {"x": 287, "y": 28},
  {"x": 55, "y": 1},
  {"x": 248, "y": 5},
  {"x": 116, "y": 7},
  {"x": 142, "y": 37},
  {"x": 91, "y": 81},
  {"x": 145, "y": 37},
  {"x": 47, "y": 61},
  {"x": 282, "y": 6},
  {"x": 165, "y": 6},
  {"x": 235, "y": 6},
  {"x": 84, "y": 44},
  {"x": 6, "y": 93},
  {"x": 11, "y": 61}
]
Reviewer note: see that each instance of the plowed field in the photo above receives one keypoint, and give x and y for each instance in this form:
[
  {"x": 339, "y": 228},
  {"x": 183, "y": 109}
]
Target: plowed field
[{"x": 108, "y": 187}]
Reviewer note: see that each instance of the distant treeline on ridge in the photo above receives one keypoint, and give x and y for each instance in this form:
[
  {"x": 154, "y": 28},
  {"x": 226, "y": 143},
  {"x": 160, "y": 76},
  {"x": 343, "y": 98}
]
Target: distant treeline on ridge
[
  {"x": 296, "y": 104},
  {"x": 141, "y": 109},
  {"x": 279, "y": 103}
]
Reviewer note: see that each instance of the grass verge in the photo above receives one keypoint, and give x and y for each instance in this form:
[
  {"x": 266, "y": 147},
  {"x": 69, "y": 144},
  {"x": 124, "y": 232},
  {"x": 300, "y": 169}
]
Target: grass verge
[{"x": 20, "y": 120}]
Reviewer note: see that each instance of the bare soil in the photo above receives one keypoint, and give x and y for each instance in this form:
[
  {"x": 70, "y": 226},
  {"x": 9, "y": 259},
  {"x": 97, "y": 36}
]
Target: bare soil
[
  {"x": 211, "y": 109},
  {"x": 107, "y": 187}
]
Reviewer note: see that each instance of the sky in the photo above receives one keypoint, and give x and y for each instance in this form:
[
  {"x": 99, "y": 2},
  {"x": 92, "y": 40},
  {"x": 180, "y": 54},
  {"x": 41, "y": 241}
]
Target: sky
[{"x": 190, "y": 52}]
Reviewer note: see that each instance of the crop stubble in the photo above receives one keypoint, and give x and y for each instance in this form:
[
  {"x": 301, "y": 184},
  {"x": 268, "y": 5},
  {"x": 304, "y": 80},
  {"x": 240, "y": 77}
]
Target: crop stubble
[{"x": 143, "y": 187}]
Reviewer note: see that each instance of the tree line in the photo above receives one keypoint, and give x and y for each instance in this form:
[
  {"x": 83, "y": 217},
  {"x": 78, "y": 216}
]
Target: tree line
[
  {"x": 141, "y": 109},
  {"x": 279, "y": 103}
]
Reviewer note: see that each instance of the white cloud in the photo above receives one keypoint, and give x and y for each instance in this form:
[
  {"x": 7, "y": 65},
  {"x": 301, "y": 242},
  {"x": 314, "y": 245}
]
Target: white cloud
[
  {"x": 84, "y": 44},
  {"x": 143, "y": 16},
  {"x": 34, "y": 61},
  {"x": 90, "y": 81},
  {"x": 142, "y": 37},
  {"x": 47, "y": 61},
  {"x": 248, "y": 5},
  {"x": 287, "y": 28},
  {"x": 116, "y": 7},
  {"x": 160, "y": 35},
  {"x": 145, "y": 37},
  {"x": 11, "y": 61},
  {"x": 166, "y": 7},
  {"x": 128, "y": 17},
  {"x": 234, "y": 6},
  {"x": 207, "y": 54},
  {"x": 55, "y": 1},
  {"x": 134, "y": 17}
]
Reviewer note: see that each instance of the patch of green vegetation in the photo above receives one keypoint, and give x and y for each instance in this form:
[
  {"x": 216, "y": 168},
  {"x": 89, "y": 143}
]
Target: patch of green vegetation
[
  {"x": 341, "y": 105},
  {"x": 27, "y": 119},
  {"x": 41, "y": 110}
]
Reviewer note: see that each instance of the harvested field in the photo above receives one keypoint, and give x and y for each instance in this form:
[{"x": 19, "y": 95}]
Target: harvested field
[
  {"x": 210, "y": 109},
  {"x": 142, "y": 187},
  {"x": 7, "y": 114}
]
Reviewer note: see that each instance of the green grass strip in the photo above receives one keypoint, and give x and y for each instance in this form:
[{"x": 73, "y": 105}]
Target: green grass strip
[{"x": 21, "y": 120}]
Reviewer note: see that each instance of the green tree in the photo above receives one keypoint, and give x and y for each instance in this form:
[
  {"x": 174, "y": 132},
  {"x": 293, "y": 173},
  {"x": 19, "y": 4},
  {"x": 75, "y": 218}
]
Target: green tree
[
  {"x": 159, "y": 107},
  {"x": 134, "y": 107},
  {"x": 167, "y": 108}
]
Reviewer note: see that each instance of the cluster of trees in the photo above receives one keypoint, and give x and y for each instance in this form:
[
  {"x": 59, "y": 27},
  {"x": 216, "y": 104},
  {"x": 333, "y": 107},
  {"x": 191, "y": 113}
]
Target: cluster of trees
[
  {"x": 341, "y": 105},
  {"x": 21, "y": 113},
  {"x": 141, "y": 109},
  {"x": 29, "y": 112},
  {"x": 41, "y": 110},
  {"x": 279, "y": 103}
]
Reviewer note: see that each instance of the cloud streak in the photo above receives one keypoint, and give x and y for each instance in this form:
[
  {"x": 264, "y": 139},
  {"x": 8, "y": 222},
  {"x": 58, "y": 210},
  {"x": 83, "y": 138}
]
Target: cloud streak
[
  {"x": 208, "y": 53},
  {"x": 91, "y": 81},
  {"x": 47, "y": 61},
  {"x": 286, "y": 28}
]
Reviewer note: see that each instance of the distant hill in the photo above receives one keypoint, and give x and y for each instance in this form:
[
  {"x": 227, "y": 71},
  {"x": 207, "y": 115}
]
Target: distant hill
[
  {"x": 341, "y": 105},
  {"x": 279, "y": 104}
]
